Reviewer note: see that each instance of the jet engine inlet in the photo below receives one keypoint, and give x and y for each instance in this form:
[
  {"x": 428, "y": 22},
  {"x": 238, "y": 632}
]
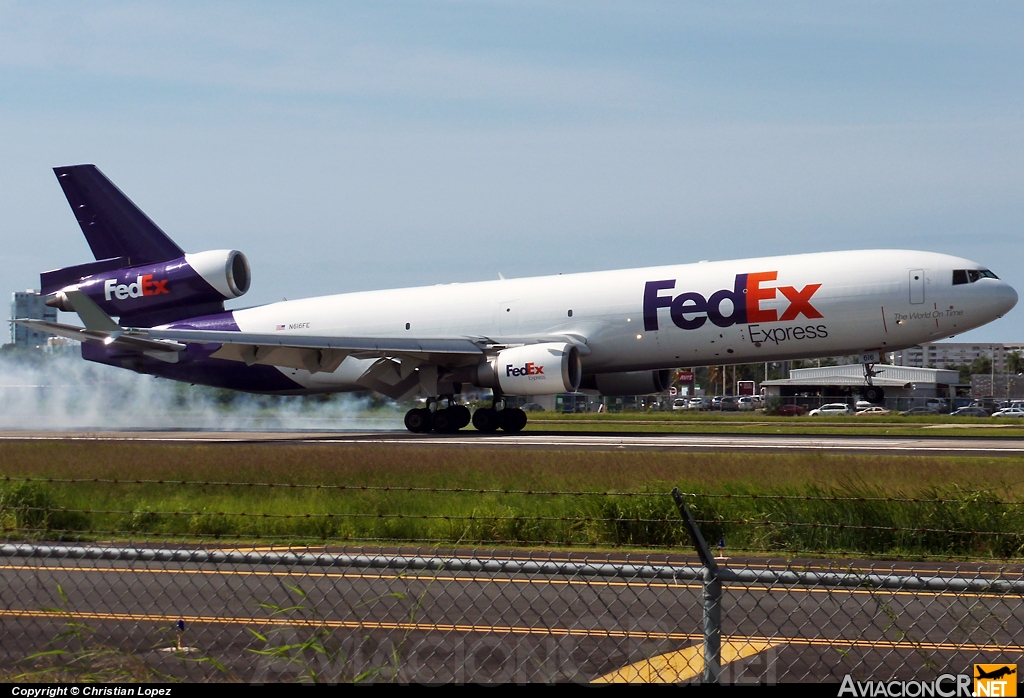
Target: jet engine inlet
[
  {"x": 534, "y": 369},
  {"x": 226, "y": 270}
]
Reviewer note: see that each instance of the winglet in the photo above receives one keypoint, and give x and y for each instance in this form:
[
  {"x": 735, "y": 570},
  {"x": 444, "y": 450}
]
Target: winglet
[{"x": 93, "y": 317}]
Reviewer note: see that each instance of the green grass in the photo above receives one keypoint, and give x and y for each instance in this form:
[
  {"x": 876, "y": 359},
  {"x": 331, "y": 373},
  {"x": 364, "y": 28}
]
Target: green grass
[
  {"x": 757, "y": 423},
  {"x": 978, "y": 495}
]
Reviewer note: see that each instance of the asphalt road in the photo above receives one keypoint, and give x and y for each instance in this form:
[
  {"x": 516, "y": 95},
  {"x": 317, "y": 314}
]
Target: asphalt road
[
  {"x": 482, "y": 626},
  {"x": 866, "y": 444}
]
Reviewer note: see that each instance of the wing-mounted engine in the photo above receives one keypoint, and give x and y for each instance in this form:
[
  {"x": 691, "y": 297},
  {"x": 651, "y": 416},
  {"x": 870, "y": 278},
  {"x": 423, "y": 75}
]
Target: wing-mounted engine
[
  {"x": 533, "y": 369},
  {"x": 629, "y": 382},
  {"x": 149, "y": 294}
]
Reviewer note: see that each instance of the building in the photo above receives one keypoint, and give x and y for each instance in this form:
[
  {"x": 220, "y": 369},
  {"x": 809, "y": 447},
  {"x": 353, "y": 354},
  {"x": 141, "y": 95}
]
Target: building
[
  {"x": 841, "y": 383},
  {"x": 29, "y": 304},
  {"x": 946, "y": 354}
]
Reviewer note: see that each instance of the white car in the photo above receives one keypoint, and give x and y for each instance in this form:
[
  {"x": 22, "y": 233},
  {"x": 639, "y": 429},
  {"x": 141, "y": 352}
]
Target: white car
[
  {"x": 746, "y": 404},
  {"x": 832, "y": 409},
  {"x": 873, "y": 410},
  {"x": 1010, "y": 412},
  {"x": 700, "y": 403},
  {"x": 680, "y": 403}
]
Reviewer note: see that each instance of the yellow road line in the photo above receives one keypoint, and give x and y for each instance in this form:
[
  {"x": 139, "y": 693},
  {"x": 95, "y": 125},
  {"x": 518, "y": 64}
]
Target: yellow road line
[
  {"x": 506, "y": 629},
  {"x": 425, "y": 575},
  {"x": 683, "y": 665}
]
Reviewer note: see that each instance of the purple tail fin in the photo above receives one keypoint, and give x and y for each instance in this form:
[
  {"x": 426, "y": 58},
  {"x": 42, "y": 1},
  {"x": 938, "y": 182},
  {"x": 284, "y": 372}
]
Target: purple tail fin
[{"x": 112, "y": 224}]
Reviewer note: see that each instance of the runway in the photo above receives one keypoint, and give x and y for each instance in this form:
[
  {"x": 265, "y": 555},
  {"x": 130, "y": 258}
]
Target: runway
[{"x": 598, "y": 441}]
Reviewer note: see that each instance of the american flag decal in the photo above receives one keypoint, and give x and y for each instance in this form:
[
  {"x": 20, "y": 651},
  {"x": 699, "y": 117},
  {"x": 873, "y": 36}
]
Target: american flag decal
[{"x": 280, "y": 327}]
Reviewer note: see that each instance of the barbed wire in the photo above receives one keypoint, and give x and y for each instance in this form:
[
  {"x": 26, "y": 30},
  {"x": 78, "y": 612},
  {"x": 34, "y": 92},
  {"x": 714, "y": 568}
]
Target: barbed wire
[
  {"x": 856, "y": 527},
  {"x": 321, "y": 486},
  {"x": 837, "y": 498},
  {"x": 331, "y": 515}
]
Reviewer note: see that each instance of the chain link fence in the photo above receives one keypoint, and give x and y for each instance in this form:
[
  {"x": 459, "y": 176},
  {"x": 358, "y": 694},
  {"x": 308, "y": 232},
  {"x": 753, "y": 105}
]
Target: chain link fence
[{"x": 107, "y": 594}]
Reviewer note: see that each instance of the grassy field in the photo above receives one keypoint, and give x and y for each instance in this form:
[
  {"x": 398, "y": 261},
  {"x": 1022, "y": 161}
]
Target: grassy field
[
  {"x": 757, "y": 423},
  {"x": 843, "y": 503}
]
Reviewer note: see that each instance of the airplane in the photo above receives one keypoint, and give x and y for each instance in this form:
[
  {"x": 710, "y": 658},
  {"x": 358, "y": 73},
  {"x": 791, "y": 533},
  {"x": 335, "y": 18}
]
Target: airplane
[
  {"x": 995, "y": 673},
  {"x": 610, "y": 332}
]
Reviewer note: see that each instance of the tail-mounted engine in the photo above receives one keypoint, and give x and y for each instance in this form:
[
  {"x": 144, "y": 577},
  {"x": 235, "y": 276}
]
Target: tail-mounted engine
[
  {"x": 153, "y": 293},
  {"x": 534, "y": 369}
]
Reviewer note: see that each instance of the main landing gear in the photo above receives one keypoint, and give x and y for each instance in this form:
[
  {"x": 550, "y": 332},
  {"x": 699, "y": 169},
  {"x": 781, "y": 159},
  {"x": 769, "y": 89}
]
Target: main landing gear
[{"x": 453, "y": 416}]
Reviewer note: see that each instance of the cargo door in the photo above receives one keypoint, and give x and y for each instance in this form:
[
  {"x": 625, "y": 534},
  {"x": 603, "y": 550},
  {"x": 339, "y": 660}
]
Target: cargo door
[{"x": 916, "y": 286}]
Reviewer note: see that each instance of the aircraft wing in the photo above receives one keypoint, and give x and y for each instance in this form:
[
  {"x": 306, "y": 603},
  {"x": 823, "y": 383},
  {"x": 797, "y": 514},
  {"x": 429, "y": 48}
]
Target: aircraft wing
[{"x": 325, "y": 353}]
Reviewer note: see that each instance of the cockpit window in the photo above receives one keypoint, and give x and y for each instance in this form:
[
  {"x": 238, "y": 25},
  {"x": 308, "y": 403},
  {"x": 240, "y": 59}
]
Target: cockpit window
[{"x": 969, "y": 276}]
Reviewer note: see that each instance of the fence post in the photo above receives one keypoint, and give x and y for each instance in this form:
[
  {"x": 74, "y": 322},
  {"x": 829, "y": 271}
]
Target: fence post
[{"x": 712, "y": 595}]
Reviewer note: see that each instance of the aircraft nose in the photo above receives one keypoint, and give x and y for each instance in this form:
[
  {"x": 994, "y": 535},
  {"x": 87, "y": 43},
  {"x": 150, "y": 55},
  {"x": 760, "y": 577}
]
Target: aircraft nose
[{"x": 1005, "y": 298}]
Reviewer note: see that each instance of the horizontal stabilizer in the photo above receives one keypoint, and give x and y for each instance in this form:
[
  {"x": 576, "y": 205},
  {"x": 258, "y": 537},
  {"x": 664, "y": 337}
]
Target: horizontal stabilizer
[
  {"x": 113, "y": 225},
  {"x": 160, "y": 349}
]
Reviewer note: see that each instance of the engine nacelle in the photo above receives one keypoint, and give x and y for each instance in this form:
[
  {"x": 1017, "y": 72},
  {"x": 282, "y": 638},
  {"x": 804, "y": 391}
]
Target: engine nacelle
[
  {"x": 629, "y": 382},
  {"x": 534, "y": 369},
  {"x": 204, "y": 279}
]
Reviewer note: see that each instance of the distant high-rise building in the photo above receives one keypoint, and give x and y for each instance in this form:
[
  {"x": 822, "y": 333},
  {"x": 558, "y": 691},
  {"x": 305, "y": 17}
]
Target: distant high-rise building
[
  {"x": 946, "y": 354},
  {"x": 29, "y": 304}
]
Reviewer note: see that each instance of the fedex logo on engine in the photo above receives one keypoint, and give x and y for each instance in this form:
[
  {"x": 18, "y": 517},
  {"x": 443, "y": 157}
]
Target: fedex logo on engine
[
  {"x": 143, "y": 286},
  {"x": 691, "y": 310},
  {"x": 530, "y": 369}
]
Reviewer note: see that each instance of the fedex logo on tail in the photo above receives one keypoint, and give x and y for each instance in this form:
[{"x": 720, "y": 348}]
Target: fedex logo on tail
[
  {"x": 691, "y": 310},
  {"x": 143, "y": 286}
]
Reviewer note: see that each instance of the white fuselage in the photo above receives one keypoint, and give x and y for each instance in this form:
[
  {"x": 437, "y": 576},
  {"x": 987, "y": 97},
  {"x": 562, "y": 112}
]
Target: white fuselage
[{"x": 797, "y": 306}]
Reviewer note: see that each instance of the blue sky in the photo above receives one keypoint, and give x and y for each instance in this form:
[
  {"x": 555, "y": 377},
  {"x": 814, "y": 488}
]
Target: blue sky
[{"x": 357, "y": 146}]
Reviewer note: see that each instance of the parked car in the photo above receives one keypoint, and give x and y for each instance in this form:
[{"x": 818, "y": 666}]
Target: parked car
[
  {"x": 832, "y": 409},
  {"x": 680, "y": 403},
  {"x": 745, "y": 404},
  {"x": 918, "y": 411},
  {"x": 531, "y": 407},
  {"x": 729, "y": 403},
  {"x": 790, "y": 410},
  {"x": 970, "y": 412},
  {"x": 1010, "y": 412},
  {"x": 863, "y": 405},
  {"x": 716, "y": 402},
  {"x": 874, "y": 410},
  {"x": 700, "y": 403}
]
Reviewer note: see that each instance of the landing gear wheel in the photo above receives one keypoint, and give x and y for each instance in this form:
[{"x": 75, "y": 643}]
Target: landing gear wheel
[
  {"x": 451, "y": 419},
  {"x": 419, "y": 421},
  {"x": 874, "y": 394},
  {"x": 512, "y": 420},
  {"x": 485, "y": 419},
  {"x": 444, "y": 421},
  {"x": 462, "y": 415}
]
